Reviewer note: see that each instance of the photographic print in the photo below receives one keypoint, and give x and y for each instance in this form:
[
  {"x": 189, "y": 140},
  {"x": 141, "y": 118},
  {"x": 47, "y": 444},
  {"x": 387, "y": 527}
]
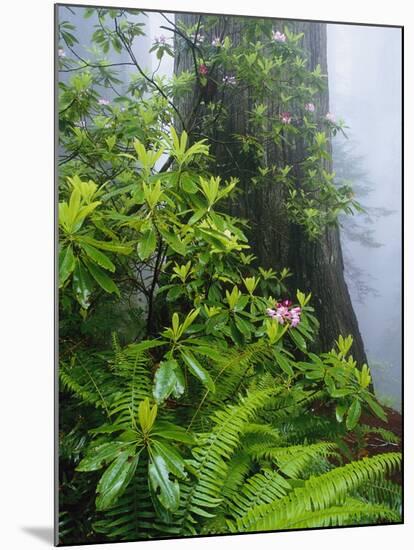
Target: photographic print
[{"x": 229, "y": 272}]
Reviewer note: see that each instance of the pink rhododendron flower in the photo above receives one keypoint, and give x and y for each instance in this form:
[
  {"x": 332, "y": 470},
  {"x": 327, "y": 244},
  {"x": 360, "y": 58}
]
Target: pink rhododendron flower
[
  {"x": 310, "y": 107},
  {"x": 202, "y": 69},
  {"x": 103, "y": 101},
  {"x": 286, "y": 118},
  {"x": 160, "y": 39},
  {"x": 294, "y": 322},
  {"x": 229, "y": 80},
  {"x": 283, "y": 313},
  {"x": 330, "y": 117},
  {"x": 278, "y": 36}
]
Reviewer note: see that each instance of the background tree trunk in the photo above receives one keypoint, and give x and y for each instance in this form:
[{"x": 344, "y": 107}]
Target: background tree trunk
[{"x": 317, "y": 266}]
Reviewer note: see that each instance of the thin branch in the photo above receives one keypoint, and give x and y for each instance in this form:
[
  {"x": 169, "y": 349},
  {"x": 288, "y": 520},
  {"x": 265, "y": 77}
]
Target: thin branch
[
  {"x": 143, "y": 74},
  {"x": 95, "y": 66}
]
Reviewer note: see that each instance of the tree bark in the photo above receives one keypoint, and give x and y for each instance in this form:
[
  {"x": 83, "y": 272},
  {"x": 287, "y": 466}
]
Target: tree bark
[{"x": 317, "y": 266}]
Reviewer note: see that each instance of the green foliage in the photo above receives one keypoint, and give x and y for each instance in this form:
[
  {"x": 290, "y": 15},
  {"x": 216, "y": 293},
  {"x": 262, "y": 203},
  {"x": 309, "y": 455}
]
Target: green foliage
[
  {"x": 200, "y": 418},
  {"x": 322, "y": 500}
]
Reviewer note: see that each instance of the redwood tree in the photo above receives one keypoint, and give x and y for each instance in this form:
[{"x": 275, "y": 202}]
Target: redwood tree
[{"x": 278, "y": 241}]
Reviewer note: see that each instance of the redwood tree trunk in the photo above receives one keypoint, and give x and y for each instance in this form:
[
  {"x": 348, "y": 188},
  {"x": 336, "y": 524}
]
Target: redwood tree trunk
[{"x": 317, "y": 266}]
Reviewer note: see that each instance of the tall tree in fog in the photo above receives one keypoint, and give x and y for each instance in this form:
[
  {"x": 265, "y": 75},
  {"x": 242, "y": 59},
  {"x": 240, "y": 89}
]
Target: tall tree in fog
[{"x": 317, "y": 265}]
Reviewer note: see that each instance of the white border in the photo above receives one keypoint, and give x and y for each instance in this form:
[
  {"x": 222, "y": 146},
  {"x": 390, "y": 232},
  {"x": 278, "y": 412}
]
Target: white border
[{"x": 26, "y": 224}]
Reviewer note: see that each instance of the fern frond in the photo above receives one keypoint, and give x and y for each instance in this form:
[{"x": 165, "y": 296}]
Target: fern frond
[
  {"x": 262, "y": 488},
  {"x": 382, "y": 492},
  {"x": 132, "y": 371},
  {"x": 293, "y": 461},
  {"x": 309, "y": 427},
  {"x": 351, "y": 512},
  {"x": 235, "y": 367},
  {"x": 319, "y": 493},
  {"x": 89, "y": 378},
  {"x": 259, "y": 437},
  {"x": 213, "y": 449},
  {"x": 237, "y": 469}
]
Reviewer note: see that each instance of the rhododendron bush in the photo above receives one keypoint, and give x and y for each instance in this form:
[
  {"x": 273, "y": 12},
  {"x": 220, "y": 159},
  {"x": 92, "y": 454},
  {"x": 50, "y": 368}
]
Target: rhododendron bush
[{"x": 191, "y": 397}]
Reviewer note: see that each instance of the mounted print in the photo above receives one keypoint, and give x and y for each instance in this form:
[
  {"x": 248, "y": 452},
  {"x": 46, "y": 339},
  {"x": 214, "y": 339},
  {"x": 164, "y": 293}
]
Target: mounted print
[{"x": 229, "y": 195}]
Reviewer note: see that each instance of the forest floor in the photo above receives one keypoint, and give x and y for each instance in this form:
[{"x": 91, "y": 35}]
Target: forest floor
[{"x": 374, "y": 443}]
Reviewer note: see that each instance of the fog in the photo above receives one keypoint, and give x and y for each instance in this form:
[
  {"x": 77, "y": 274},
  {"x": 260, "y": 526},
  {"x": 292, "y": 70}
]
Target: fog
[{"x": 364, "y": 66}]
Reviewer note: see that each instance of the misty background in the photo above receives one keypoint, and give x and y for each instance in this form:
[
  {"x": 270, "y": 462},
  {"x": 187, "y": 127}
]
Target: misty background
[{"x": 364, "y": 69}]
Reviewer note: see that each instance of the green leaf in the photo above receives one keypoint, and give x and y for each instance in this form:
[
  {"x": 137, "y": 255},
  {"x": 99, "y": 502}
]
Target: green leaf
[
  {"x": 103, "y": 245},
  {"x": 173, "y": 460},
  {"x": 74, "y": 207},
  {"x": 147, "y": 244},
  {"x": 353, "y": 415},
  {"x": 215, "y": 320},
  {"x": 98, "y": 257},
  {"x": 283, "y": 363},
  {"x": 340, "y": 411},
  {"x": 187, "y": 182},
  {"x": 168, "y": 379},
  {"x": 376, "y": 408},
  {"x": 115, "y": 479},
  {"x": 147, "y": 415},
  {"x": 188, "y": 321},
  {"x": 167, "y": 430},
  {"x": 244, "y": 326},
  {"x": 66, "y": 264},
  {"x": 174, "y": 292},
  {"x": 167, "y": 490},
  {"x": 174, "y": 242},
  {"x": 99, "y": 457},
  {"x": 197, "y": 370},
  {"x": 82, "y": 285},
  {"x": 297, "y": 339},
  {"x": 342, "y": 392},
  {"x": 102, "y": 278},
  {"x": 236, "y": 335},
  {"x": 198, "y": 214}
]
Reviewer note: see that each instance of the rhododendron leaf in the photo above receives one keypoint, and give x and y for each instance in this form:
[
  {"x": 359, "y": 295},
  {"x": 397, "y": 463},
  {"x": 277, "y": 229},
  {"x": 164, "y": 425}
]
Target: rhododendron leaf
[
  {"x": 146, "y": 244},
  {"x": 174, "y": 242},
  {"x": 187, "y": 181},
  {"x": 168, "y": 430},
  {"x": 168, "y": 379},
  {"x": 215, "y": 320},
  {"x": 340, "y": 411},
  {"x": 119, "y": 248},
  {"x": 354, "y": 412},
  {"x": 376, "y": 408},
  {"x": 297, "y": 339},
  {"x": 82, "y": 284},
  {"x": 103, "y": 280},
  {"x": 236, "y": 335},
  {"x": 197, "y": 370},
  {"x": 100, "y": 456},
  {"x": 98, "y": 257},
  {"x": 283, "y": 363},
  {"x": 166, "y": 490},
  {"x": 66, "y": 264},
  {"x": 115, "y": 479},
  {"x": 244, "y": 326}
]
